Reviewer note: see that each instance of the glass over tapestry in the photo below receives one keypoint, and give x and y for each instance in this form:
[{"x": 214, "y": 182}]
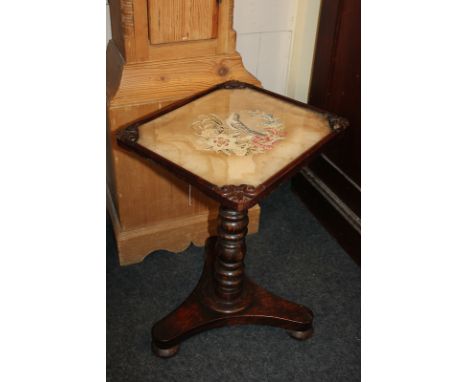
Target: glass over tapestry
[{"x": 234, "y": 136}]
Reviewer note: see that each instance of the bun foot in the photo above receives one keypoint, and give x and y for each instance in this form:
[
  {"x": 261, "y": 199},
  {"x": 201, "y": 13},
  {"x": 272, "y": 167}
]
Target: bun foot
[
  {"x": 301, "y": 335},
  {"x": 164, "y": 353}
]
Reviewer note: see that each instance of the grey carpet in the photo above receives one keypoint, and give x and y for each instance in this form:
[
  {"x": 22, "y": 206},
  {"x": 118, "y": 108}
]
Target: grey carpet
[{"x": 292, "y": 256}]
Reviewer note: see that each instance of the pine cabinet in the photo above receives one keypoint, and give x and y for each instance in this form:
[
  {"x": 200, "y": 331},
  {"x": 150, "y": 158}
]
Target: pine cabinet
[{"x": 162, "y": 51}]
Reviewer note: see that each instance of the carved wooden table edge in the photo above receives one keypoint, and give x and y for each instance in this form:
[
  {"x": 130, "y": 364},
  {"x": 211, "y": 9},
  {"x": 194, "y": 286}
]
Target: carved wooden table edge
[{"x": 224, "y": 295}]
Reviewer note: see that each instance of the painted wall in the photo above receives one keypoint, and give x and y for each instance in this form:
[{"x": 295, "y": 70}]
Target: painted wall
[
  {"x": 302, "y": 52},
  {"x": 276, "y": 39}
]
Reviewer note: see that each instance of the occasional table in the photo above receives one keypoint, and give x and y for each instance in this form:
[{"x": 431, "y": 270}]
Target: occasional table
[{"x": 236, "y": 143}]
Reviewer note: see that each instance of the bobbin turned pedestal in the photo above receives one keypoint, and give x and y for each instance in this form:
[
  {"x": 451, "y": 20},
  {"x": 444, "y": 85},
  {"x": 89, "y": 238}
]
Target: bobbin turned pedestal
[{"x": 278, "y": 146}]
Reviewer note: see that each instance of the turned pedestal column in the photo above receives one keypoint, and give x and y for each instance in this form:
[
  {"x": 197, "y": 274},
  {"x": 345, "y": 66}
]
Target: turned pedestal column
[{"x": 229, "y": 262}]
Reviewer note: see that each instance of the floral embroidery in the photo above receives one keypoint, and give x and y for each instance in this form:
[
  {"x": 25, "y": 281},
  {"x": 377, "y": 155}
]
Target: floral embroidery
[{"x": 242, "y": 133}]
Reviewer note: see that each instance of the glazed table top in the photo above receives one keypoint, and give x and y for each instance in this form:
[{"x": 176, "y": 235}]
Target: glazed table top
[{"x": 234, "y": 139}]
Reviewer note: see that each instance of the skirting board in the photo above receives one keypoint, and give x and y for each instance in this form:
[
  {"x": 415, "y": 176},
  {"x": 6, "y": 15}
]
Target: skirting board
[
  {"x": 335, "y": 215},
  {"x": 174, "y": 235}
]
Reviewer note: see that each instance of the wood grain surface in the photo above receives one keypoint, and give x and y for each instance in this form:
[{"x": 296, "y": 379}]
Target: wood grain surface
[{"x": 182, "y": 20}]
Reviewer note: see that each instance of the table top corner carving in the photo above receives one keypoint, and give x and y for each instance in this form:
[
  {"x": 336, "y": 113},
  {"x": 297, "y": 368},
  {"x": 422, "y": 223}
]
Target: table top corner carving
[
  {"x": 240, "y": 194},
  {"x": 234, "y": 85},
  {"x": 337, "y": 123},
  {"x": 129, "y": 134}
]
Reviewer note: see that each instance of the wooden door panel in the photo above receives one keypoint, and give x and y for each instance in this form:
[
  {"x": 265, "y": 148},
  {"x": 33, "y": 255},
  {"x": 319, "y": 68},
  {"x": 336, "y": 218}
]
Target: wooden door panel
[
  {"x": 330, "y": 186},
  {"x": 182, "y": 20}
]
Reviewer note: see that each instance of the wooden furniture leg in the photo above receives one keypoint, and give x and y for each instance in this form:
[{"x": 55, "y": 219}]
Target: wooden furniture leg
[{"x": 225, "y": 296}]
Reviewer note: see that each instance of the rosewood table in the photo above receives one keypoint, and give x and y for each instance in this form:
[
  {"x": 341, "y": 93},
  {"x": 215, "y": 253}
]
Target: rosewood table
[{"x": 235, "y": 142}]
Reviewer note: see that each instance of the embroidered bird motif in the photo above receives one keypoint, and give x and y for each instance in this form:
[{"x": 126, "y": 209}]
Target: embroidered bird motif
[{"x": 234, "y": 122}]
